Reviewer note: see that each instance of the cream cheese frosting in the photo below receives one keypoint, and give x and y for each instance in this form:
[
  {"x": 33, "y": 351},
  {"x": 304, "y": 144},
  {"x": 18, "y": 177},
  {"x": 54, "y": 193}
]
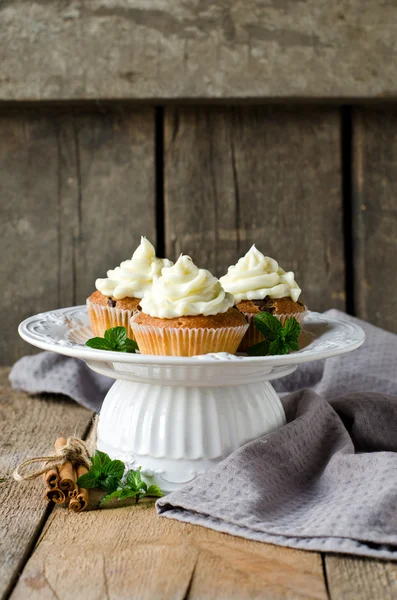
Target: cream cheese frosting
[
  {"x": 183, "y": 290},
  {"x": 135, "y": 276},
  {"x": 256, "y": 276}
]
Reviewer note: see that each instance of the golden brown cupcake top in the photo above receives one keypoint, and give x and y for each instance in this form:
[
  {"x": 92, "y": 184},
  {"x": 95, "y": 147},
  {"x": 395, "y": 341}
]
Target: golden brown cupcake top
[
  {"x": 230, "y": 318},
  {"x": 124, "y": 303},
  {"x": 275, "y": 306}
]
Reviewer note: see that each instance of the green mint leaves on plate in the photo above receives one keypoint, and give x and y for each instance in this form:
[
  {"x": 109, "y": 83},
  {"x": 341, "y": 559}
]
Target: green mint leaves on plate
[
  {"x": 108, "y": 475},
  {"x": 114, "y": 339},
  {"x": 279, "y": 339}
]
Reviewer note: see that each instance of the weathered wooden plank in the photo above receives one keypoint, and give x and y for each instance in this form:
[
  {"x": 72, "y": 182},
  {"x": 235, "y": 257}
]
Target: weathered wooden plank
[
  {"x": 375, "y": 215},
  {"x": 233, "y": 568},
  {"x": 352, "y": 578},
  {"x": 29, "y": 223},
  {"x": 116, "y": 191},
  {"x": 141, "y": 555},
  {"x": 27, "y": 428},
  {"x": 77, "y": 191},
  {"x": 270, "y": 176},
  {"x": 197, "y": 49}
]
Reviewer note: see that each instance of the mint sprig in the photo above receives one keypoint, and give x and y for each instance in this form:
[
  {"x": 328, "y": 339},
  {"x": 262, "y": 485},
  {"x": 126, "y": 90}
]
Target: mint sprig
[
  {"x": 134, "y": 487},
  {"x": 279, "y": 339},
  {"x": 108, "y": 475},
  {"x": 104, "y": 473},
  {"x": 114, "y": 339}
]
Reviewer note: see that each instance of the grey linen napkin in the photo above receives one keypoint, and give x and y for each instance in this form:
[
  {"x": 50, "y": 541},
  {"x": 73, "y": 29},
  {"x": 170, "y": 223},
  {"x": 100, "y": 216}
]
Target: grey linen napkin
[
  {"x": 48, "y": 372},
  {"x": 325, "y": 481}
]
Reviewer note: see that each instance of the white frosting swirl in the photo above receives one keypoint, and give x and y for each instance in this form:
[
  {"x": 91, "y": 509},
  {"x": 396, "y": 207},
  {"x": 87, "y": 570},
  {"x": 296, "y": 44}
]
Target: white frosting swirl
[
  {"x": 184, "y": 289},
  {"x": 134, "y": 277},
  {"x": 256, "y": 276}
]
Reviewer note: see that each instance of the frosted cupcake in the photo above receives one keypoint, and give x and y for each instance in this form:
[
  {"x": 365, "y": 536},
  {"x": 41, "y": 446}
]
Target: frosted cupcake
[
  {"x": 119, "y": 294},
  {"x": 187, "y": 312},
  {"x": 259, "y": 284}
]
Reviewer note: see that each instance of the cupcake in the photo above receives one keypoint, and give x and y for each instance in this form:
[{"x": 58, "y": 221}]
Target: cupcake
[
  {"x": 116, "y": 298},
  {"x": 259, "y": 284},
  {"x": 187, "y": 312}
]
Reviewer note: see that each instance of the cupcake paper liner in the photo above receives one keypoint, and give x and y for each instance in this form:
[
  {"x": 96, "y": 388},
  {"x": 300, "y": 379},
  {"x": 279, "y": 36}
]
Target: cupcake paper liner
[
  {"x": 106, "y": 317},
  {"x": 254, "y": 336},
  {"x": 173, "y": 341}
]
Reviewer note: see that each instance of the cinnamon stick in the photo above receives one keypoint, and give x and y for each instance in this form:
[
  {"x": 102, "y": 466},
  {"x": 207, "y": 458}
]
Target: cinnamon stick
[
  {"x": 79, "y": 496},
  {"x": 51, "y": 478},
  {"x": 56, "y": 495},
  {"x": 67, "y": 475}
]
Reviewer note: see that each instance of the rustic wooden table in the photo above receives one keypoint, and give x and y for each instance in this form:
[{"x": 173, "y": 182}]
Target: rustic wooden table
[{"x": 130, "y": 552}]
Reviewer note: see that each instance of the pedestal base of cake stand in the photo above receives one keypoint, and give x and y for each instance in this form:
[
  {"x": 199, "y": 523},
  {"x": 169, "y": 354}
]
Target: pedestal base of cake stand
[{"x": 176, "y": 432}]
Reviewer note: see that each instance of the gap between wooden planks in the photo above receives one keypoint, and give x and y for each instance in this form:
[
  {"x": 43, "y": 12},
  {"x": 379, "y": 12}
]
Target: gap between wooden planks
[
  {"x": 28, "y": 428},
  {"x": 130, "y": 552}
]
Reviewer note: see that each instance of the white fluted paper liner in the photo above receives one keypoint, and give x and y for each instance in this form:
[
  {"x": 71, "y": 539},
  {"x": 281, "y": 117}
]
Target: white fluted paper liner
[
  {"x": 106, "y": 317},
  {"x": 254, "y": 336},
  {"x": 178, "y": 341}
]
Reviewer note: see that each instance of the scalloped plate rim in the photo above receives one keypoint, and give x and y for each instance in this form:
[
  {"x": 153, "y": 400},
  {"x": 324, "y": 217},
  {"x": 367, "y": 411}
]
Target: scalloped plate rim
[{"x": 295, "y": 358}]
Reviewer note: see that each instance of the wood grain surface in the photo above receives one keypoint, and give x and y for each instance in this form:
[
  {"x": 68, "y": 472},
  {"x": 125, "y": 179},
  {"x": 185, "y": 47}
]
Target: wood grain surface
[
  {"x": 270, "y": 176},
  {"x": 375, "y": 215},
  {"x": 29, "y": 241},
  {"x": 28, "y": 428},
  {"x": 77, "y": 192},
  {"x": 363, "y": 579},
  {"x": 141, "y": 555},
  {"x": 243, "y": 49}
]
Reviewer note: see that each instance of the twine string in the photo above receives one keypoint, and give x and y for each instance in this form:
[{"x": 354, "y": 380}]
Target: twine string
[{"x": 74, "y": 451}]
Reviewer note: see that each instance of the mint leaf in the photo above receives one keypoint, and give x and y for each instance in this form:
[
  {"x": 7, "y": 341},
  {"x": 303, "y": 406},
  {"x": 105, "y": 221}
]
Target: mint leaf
[
  {"x": 155, "y": 491},
  {"x": 134, "y": 480},
  {"x": 109, "y": 483},
  {"x": 107, "y": 473},
  {"x": 291, "y": 329},
  {"x": 279, "y": 339},
  {"x": 116, "y": 337},
  {"x": 279, "y": 346},
  {"x": 98, "y": 343},
  {"x": 112, "y": 496},
  {"x": 260, "y": 349},
  {"x": 129, "y": 346},
  {"x": 115, "y": 468},
  {"x": 88, "y": 481},
  {"x": 100, "y": 460},
  {"x": 128, "y": 493},
  {"x": 268, "y": 325},
  {"x": 293, "y": 344}
]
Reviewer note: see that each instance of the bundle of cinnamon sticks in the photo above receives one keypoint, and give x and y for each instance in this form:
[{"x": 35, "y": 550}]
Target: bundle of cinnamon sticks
[{"x": 60, "y": 482}]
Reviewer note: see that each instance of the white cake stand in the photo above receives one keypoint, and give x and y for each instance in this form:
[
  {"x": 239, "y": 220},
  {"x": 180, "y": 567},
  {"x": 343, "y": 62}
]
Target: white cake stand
[{"x": 175, "y": 416}]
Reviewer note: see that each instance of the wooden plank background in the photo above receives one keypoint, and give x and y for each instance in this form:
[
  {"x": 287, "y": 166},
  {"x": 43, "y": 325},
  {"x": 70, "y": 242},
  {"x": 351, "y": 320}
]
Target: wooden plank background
[
  {"x": 270, "y": 176},
  {"x": 77, "y": 190},
  {"x": 153, "y": 50},
  {"x": 79, "y": 187}
]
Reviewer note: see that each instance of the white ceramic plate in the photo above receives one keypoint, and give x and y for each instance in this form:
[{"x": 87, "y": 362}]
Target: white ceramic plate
[{"x": 66, "y": 330}]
